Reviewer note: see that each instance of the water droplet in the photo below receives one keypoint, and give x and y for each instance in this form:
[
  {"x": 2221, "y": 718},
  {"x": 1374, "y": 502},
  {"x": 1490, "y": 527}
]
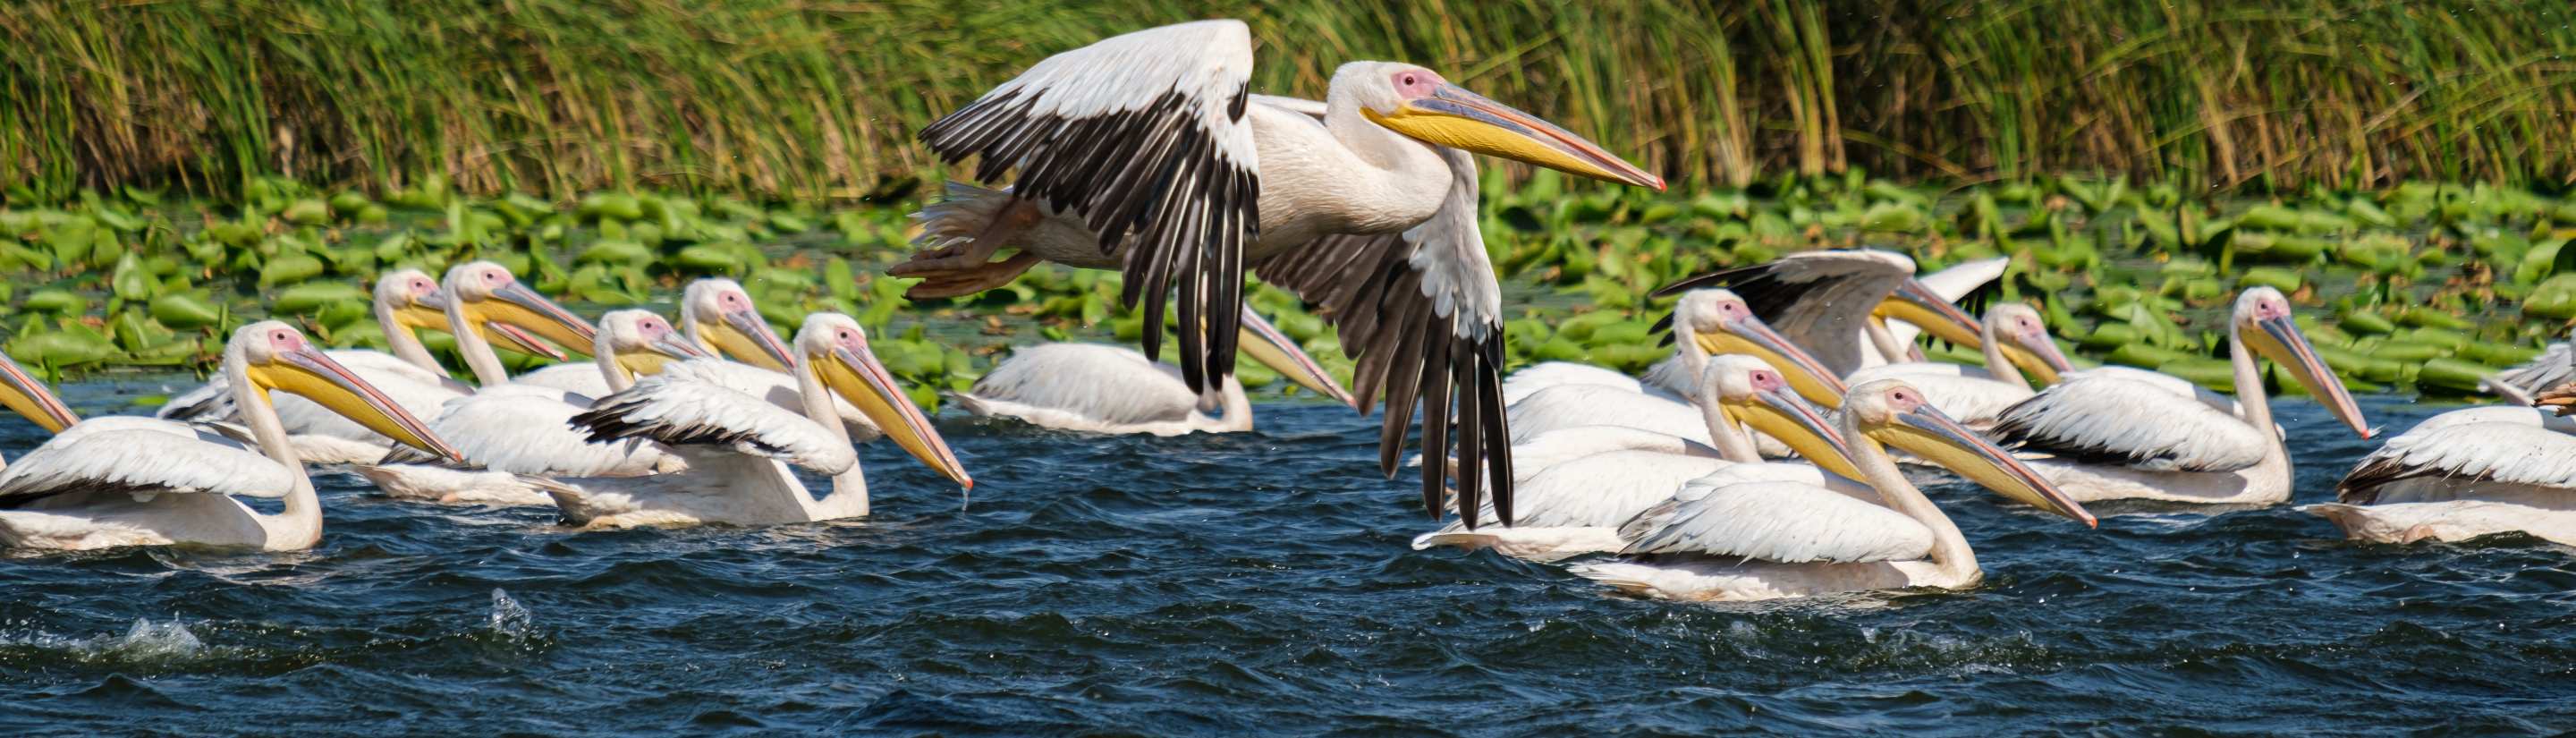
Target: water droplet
[{"x": 509, "y": 618}]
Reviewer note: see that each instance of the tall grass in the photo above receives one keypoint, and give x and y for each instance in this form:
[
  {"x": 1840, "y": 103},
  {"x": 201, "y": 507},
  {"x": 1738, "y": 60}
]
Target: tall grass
[{"x": 800, "y": 98}]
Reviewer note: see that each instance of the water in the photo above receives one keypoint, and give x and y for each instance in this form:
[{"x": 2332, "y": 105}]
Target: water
[{"x": 1261, "y": 583}]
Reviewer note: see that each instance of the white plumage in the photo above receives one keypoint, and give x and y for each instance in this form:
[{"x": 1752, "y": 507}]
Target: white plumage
[
  {"x": 1784, "y": 522},
  {"x": 2464, "y": 474},
  {"x": 1091, "y": 387},
  {"x": 2136, "y": 424}
]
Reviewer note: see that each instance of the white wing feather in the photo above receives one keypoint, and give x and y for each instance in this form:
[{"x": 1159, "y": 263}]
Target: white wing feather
[
  {"x": 2115, "y": 419},
  {"x": 145, "y": 459},
  {"x": 522, "y": 430},
  {"x": 1784, "y": 522},
  {"x": 1109, "y": 384},
  {"x": 687, "y": 404}
]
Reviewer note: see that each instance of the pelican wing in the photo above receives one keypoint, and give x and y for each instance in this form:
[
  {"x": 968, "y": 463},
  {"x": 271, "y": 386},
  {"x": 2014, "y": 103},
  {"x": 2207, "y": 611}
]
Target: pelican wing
[
  {"x": 143, "y": 460},
  {"x": 683, "y": 407},
  {"x": 1421, "y": 313},
  {"x": 1787, "y": 522},
  {"x": 1105, "y": 383},
  {"x": 580, "y": 378},
  {"x": 1141, "y": 135},
  {"x": 2110, "y": 419},
  {"x": 2492, "y": 451},
  {"x": 521, "y": 430},
  {"x": 2555, "y": 366},
  {"x": 1819, "y": 299}
]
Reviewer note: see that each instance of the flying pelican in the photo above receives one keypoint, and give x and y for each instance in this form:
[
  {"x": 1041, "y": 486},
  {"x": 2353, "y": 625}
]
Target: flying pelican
[
  {"x": 1575, "y": 507},
  {"x": 406, "y": 301},
  {"x": 1765, "y": 540},
  {"x": 2121, "y": 435},
  {"x": 739, "y": 446},
  {"x": 2014, "y": 338},
  {"x": 133, "y": 481},
  {"x": 1109, "y": 389},
  {"x": 2554, "y": 366},
  {"x": 512, "y": 429},
  {"x": 1144, "y": 152},
  {"x": 1834, "y": 303},
  {"x": 1717, "y": 322},
  {"x": 2463, "y": 474}
]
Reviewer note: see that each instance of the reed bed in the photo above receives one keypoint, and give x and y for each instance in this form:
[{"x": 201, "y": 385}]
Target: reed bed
[{"x": 818, "y": 98}]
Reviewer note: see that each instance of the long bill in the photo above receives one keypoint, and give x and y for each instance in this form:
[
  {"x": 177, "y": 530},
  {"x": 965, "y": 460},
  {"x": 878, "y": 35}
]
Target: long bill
[
  {"x": 1454, "y": 117},
  {"x": 1752, "y": 337},
  {"x": 2038, "y": 356},
  {"x": 429, "y": 312},
  {"x": 746, "y": 337},
  {"x": 1929, "y": 433},
  {"x": 1785, "y": 416},
  {"x": 659, "y": 352},
  {"x": 1915, "y": 303},
  {"x": 517, "y": 306},
  {"x": 314, "y": 376},
  {"x": 1265, "y": 344},
  {"x": 21, "y": 392},
  {"x": 856, "y": 376},
  {"x": 2280, "y": 340}
]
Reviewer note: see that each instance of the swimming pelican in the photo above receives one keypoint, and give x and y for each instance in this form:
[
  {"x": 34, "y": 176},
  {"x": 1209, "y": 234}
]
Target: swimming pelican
[
  {"x": 1765, "y": 540},
  {"x": 1832, "y": 303},
  {"x": 2014, "y": 338},
  {"x": 1673, "y": 378},
  {"x": 1109, "y": 389},
  {"x": 2460, "y": 475},
  {"x": 2119, "y": 435},
  {"x": 1144, "y": 152},
  {"x": 148, "y": 482},
  {"x": 1718, "y": 323},
  {"x": 1576, "y": 506},
  {"x": 738, "y": 446},
  {"x": 717, "y": 315},
  {"x": 406, "y": 301},
  {"x": 510, "y": 429}
]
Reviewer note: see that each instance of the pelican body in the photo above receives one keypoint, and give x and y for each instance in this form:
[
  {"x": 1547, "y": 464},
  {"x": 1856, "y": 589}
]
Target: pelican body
[
  {"x": 2461, "y": 475},
  {"x": 1108, "y": 389},
  {"x": 127, "y": 481},
  {"x": 1146, "y": 152}
]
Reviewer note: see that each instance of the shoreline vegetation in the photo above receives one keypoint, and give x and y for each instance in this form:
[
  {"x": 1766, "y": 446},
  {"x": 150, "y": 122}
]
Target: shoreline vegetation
[{"x": 169, "y": 170}]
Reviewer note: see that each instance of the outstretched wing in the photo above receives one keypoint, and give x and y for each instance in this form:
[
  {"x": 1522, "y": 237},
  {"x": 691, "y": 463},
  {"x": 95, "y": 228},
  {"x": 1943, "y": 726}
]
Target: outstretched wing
[
  {"x": 1142, "y": 135},
  {"x": 679, "y": 407},
  {"x": 1817, "y": 299},
  {"x": 1421, "y": 313}
]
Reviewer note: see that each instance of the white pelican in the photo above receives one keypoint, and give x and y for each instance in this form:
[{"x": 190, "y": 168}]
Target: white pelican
[
  {"x": 1110, "y": 389},
  {"x": 1146, "y": 153},
  {"x": 1765, "y": 540},
  {"x": 1674, "y": 378},
  {"x": 406, "y": 301},
  {"x": 2015, "y": 339},
  {"x": 1832, "y": 303},
  {"x": 2463, "y": 474},
  {"x": 739, "y": 447},
  {"x": 718, "y": 316},
  {"x": 1576, "y": 506},
  {"x": 148, "y": 482},
  {"x": 510, "y": 429},
  {"x": 2109, "y": 435},
  {"x": 1717, "y": 322},
  {"x": 2554, "y": 366}
]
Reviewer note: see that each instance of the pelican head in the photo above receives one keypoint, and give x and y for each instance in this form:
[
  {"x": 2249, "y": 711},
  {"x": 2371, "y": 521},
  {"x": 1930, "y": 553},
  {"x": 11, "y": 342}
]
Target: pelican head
[
  {"x": 272, "y": 355},
  {"x": 2026, "y": 341},
  {"x": 1914, "y": 302},
  {"x": 1721, "y": 323},
  {"x": 2263, "y": 322},
  {"x": 642, "y": 342},
  {"x": 1265, "y": 344},
  {"x": 718, "y": 315},
  {"x": 1417, "y": 103},
  {"x": 412, "y": 298},
  {"x": 837, "y": 349},
  {"x": 1760, "y": 398},
  {"x": 22, "y": 393},
  {"x": 485, "y": 293},
  {"x": 1893, "y": 413}
]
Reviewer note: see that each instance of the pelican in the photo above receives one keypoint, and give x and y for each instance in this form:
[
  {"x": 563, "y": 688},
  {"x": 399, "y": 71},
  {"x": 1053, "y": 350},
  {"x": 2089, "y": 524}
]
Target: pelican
[
  {"x": 1767, "y": 540},
  {"x": 1109, "y": 389},
  {"x": 405, "y": 301},
  {"x": 21, "y": 393},
  {"x": 2554, "y": 366},
  {"x": 716, "y": 315},
  {"x": 2460, "y": 475},
  {"x": 2014, "y": 339},
  {"x": 1144, "y": 152},
  {"x": 512, "y": 429},
  {"x": 2122, "y": 435},
  {"x": 1717, "y": 322},
  {"x": 111, "y": 482},
  {"x": 1576, "y": 507},
  {"x": 1834, "y": 303},
  {"x": 738, "y": 446},
  {"x": 1673, "y": 379}
]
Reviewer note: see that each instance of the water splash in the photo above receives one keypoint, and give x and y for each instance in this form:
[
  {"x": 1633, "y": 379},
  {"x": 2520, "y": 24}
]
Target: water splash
[
  {"x": 149, "y": 640},
  {"x": 511, "y": 619}
]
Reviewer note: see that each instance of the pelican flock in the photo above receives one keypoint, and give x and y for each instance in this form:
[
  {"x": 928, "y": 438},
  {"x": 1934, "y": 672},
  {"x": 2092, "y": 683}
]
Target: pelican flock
[{"x": 1759, "y": 460}]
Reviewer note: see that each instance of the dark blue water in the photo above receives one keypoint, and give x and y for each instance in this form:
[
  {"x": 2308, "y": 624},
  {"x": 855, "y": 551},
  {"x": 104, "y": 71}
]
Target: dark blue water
[{"x": 1261, "y": 583}]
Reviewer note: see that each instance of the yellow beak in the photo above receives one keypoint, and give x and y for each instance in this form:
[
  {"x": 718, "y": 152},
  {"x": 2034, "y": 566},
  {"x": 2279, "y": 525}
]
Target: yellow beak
[
  {"x": 1932, "y": 435},
  {"x": 1752, "y": 337},
  {"x": 858, "y": 378},
  {"x": 314, "y": 376},
  {"x": 1917, "y": 305},
  {"x": 745, "y": 337},
  {"x": 2038, "y": 357},
  {"x": 516, "y": 306},
  {"x": 659, "y": 353},
  {"x": 1787, "y": 417},
  {"x": 1265, "y": 344},
  {"x": 22, "y": 393},
  {"x": 1453, "y": 117},
  {"x": 2279, "y": 339}
]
